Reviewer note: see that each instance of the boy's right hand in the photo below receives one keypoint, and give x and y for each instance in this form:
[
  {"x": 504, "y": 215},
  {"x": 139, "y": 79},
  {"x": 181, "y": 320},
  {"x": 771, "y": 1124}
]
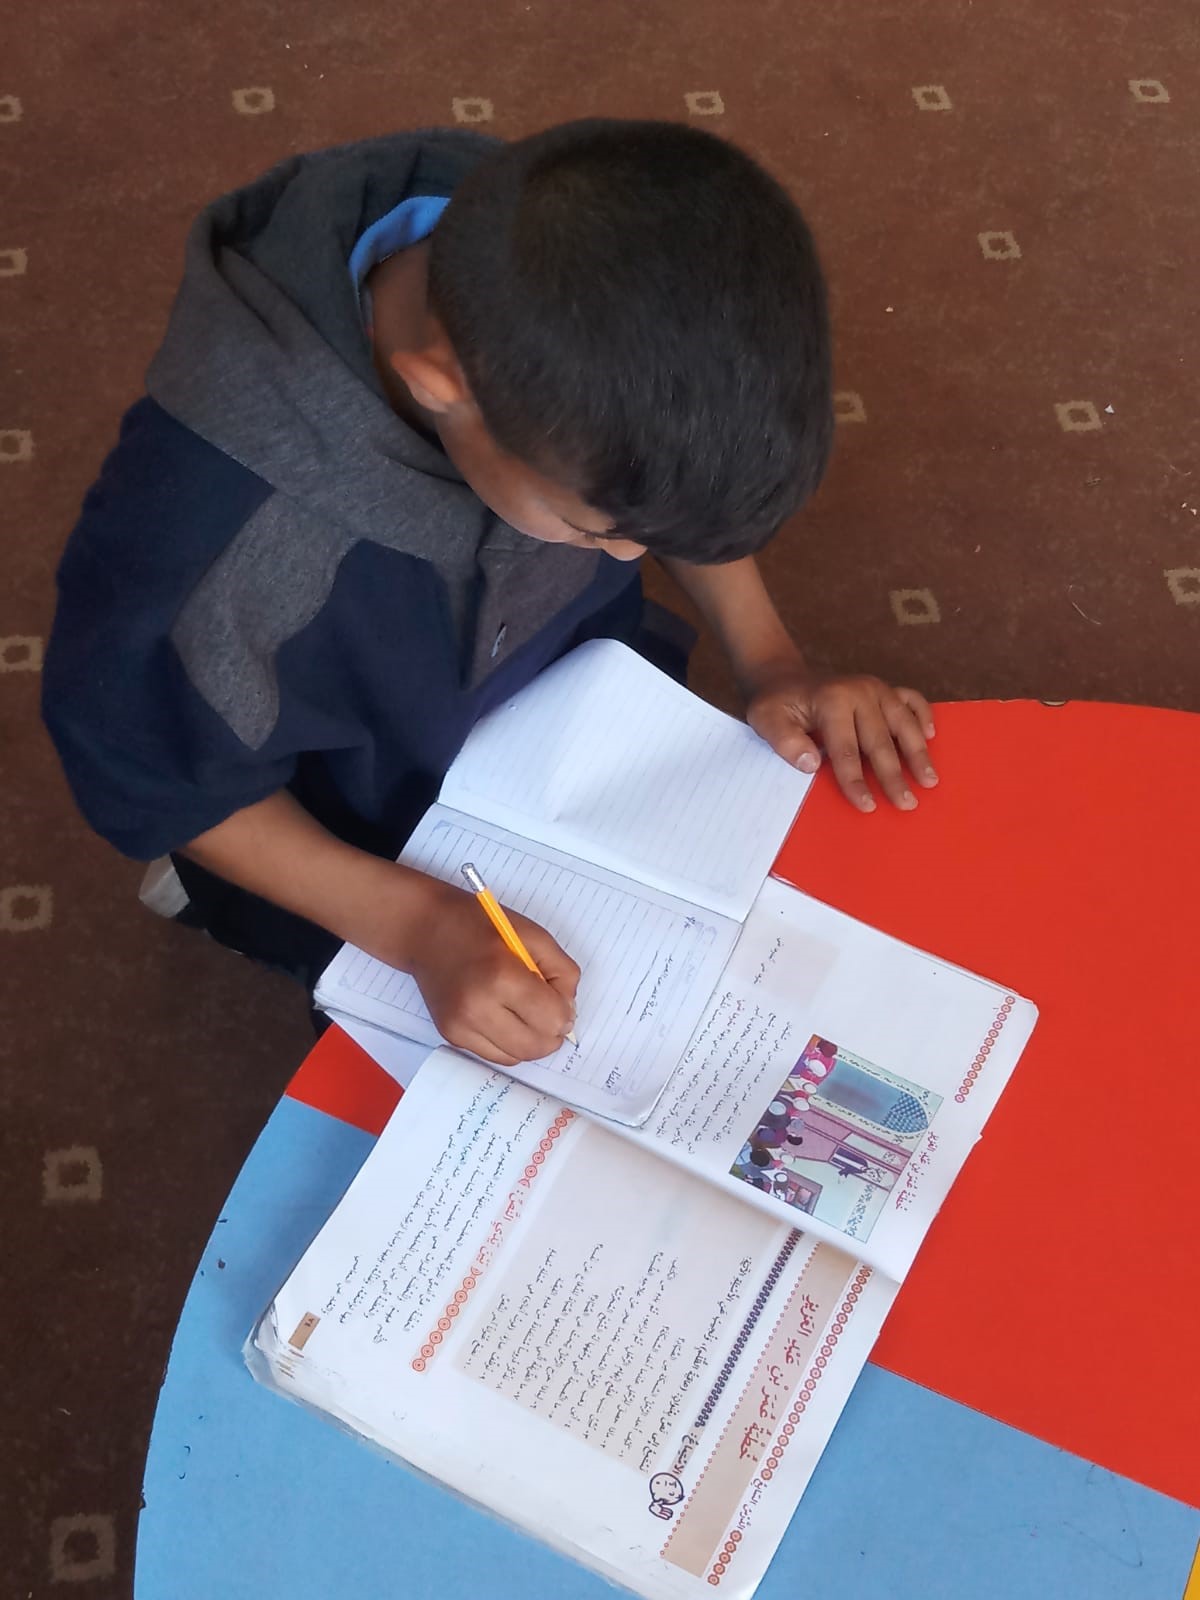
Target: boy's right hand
[{"x": 480, "y": 996}]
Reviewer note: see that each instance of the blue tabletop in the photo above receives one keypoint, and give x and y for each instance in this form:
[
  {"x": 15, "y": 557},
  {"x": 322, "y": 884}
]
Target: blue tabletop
[{"x": 916, "y": 1497}]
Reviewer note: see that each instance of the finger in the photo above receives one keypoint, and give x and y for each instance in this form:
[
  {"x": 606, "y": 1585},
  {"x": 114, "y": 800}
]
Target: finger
[
  {"x": 507, "y": 1033},
  {"x": 537, "y": 1018},
  {"x": 875, "y": 741},
  {"x": 796, "y": 748},
  {"x": 555, "y": 965},
  {"x": 787, "y": 738},
  {"x": 904, "y": 723},
  {"x": 841, "y": 745},
  {"x": 920, "y": 708},
  {"x": 464, "y": 1038}
]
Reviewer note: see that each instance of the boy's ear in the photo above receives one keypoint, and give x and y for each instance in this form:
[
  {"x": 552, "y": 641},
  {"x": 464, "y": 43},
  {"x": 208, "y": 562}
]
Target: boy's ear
[{"x": 432, "y": 376}]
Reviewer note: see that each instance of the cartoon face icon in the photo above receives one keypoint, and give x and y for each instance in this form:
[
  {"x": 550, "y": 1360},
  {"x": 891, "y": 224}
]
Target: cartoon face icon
[{"x": 666, "y": 1492}]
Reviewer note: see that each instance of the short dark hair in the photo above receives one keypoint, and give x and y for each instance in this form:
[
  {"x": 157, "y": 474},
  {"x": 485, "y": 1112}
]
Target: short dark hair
[{"x": 640, "y": 313}]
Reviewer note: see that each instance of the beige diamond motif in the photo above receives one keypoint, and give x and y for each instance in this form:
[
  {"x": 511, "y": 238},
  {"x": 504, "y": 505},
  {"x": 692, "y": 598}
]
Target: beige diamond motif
[
  {"x": 13, "y": 263},
  {"x": 82, "y": 1548},
  {"x": 704, "y": 103},
  {"x": 1149, "y": 91},
  {"x": 1078, "y": 416},
  {"x": 15, "y": 445},
  {"x": 20, "y": 653},
  {"x": 848, "y": 406},
  {"x": 10, "y": 108},
  {"x": 932, "y": 97},
  {"x": 913, "y": 608},
  {"x": 999, "y": 247},
  {"x": 472, "y": 109},
  {"x": 1184, "y": 584},
  {"x": 253, "y": 102},
  {"x": 72, "y": 1174},
  {"x": 26, "y": 906}
]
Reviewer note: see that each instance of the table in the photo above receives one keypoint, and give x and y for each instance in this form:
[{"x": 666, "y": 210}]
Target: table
[{"x": 1030, "y": 1423}]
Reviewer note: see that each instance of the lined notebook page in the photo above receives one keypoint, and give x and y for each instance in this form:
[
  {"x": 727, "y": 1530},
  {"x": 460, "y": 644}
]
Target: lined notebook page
[
  {"x": 649, "y": 964},
  {"x": 607, "y": 758}
]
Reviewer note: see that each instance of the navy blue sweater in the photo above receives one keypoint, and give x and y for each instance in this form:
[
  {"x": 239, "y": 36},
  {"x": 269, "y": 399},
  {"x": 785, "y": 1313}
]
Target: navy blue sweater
[
  {"x": 372, "y": 704},
  {"x": 275, "y": 582}
]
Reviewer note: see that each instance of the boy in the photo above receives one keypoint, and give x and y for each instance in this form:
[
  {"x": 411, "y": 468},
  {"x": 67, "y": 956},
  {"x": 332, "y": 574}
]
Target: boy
[{"x": 422, "y": 405}]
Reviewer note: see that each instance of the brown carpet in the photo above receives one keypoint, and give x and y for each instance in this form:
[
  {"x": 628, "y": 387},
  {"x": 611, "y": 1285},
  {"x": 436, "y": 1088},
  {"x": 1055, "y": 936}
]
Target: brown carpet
[{"x": 1005, "y": 196}]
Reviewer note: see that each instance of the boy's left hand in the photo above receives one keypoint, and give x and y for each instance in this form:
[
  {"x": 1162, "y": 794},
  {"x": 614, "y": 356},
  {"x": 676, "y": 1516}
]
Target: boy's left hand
[{"x": 850, "y": 717}]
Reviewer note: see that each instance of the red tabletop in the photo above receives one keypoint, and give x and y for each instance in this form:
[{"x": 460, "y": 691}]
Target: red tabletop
[{"x": 1058, "y": 1291}]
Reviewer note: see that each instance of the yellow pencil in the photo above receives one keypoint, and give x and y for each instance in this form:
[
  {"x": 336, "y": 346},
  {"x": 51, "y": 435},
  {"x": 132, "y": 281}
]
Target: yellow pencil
[{"x": 499, "y": 920}]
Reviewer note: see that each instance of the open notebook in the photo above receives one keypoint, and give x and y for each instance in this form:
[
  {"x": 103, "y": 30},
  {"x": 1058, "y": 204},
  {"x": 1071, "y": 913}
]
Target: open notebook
[
  {"x": 632, "y": 821},
  {"x": 635, "y": 1343}
]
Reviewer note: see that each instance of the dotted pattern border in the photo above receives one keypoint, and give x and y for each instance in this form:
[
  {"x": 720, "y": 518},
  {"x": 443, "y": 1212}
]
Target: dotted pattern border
[
  {"x": 985, "y": 1049},
  {"x": 463, "y": 1293},
  {"x": 729, "y": 1549},
  {"x": 747, "y": 1328},
  {"x": 796, "y": 1288}
]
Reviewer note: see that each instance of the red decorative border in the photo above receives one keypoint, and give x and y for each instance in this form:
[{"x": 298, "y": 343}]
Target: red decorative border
[
  {"x": 985, "y": 1049},
  {"x": 712, "y": 1455},
  {"x": 488, "y": 1248},
  {"x": 861, "y": 1278}
]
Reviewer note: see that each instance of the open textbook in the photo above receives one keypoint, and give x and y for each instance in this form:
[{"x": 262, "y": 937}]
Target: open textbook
[
  {"x": 634, "y": 1344},
  {"x": 634, "y": 1341}
]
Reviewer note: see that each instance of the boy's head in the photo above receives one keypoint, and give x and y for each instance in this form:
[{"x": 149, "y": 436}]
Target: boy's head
[{"x": 638, "y": 318}]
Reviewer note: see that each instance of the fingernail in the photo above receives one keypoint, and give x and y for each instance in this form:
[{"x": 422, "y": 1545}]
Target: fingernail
[
  {"x": 929, "y": 778},
  {"x": 930, "y": 730},
  {"x": 807, "y": 762},
  {"x": 908, "y": 799},
  {"x": 867, "y": 803}
]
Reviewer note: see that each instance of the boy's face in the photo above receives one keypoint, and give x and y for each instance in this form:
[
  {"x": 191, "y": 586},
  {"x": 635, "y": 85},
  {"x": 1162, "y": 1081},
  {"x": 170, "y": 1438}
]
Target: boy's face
[
  {"x": 524, "y": 498},
  {"x": 425, "y": 383}
]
